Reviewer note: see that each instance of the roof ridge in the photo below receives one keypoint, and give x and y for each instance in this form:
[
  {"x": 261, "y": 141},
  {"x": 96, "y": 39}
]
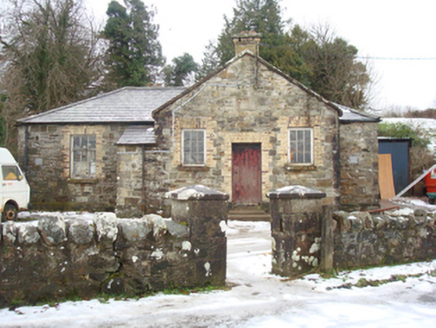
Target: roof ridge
[{"x": 154, "y": 87}]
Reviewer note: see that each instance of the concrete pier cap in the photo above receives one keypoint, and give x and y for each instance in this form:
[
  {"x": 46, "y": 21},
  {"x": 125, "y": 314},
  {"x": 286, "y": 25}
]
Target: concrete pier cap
[
  {"x": 196, "y": 192},
  {"x": 296, "y": 192}
]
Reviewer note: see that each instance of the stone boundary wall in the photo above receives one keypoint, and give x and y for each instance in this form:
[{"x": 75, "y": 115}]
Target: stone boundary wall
[
  {"x": 307, "y": 234},
  {"x": 362, "y": 239},
  {"x": 54, "y": 258}
]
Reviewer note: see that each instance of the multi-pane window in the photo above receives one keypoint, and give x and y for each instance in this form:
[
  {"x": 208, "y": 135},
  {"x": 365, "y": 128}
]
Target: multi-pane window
[
  {"x": 83, "y": 156},
  {"x": 300, "y": 146},
  {"x": 193, "y": 152}
]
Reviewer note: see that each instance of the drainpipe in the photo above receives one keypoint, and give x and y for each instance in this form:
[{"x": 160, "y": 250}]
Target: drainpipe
[
  {"x": 256, "y": 73},
  {"x": 143, "y": 205},
  {"x": 26, "y": 139}
]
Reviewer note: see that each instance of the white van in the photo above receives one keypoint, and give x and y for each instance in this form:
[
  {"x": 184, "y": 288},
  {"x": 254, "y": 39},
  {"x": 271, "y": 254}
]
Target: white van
[{"x": 14, "y": 189}]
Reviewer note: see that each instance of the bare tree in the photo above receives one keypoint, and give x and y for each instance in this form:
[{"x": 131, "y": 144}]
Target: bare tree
[
  {"x": 49, "y": 57},
  {"x": 338, "y": 74}
]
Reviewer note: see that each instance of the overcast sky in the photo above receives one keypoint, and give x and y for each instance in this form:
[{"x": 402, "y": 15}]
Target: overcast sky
[{"x": 399, "y": 36}]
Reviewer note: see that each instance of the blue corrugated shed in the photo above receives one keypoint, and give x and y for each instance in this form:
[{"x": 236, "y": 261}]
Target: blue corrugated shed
[{"x": 399, "y": 150}]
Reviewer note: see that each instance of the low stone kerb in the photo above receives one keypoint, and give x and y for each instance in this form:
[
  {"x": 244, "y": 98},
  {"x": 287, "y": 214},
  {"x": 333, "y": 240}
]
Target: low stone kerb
[
  {"x": 296, "y": 192},
  {"x": 196, "y": 192}
]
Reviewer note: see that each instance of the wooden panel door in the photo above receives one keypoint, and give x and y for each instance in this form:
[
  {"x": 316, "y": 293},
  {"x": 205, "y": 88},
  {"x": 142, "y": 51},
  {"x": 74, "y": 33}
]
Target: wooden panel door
[{"x": 247, "y": 173}]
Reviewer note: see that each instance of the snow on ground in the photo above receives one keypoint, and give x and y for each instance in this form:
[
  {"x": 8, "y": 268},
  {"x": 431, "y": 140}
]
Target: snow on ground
[
  {"x": 414, "y": 203},
  {"x": 260, "y": 299}
]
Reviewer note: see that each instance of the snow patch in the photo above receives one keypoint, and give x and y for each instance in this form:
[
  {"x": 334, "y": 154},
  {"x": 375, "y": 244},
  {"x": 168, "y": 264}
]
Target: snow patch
[
  {"x": 297, "y": 189},
  {"x": 190, "y": 192},
  {"x": 157, "y": 254},
  {"x": 314, "y": 248},
  {"x": 208, "y": 269},
  {"x": 295, "y": 256},
  {"x": 223, "y": 225},
  {"x": 402, "y": 212},
  {"x": 186, "y": 246}
]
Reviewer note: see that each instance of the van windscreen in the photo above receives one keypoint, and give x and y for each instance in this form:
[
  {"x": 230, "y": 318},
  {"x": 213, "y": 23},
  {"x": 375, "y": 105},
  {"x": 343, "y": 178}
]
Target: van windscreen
[{"x": 10, "y": 172}]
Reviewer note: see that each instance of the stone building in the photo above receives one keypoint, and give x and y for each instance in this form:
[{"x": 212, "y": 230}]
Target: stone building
[{"x": 245, "y": 129}]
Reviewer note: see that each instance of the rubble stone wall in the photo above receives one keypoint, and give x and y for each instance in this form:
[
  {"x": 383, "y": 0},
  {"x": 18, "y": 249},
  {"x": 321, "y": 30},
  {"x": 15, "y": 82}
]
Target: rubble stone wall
[
  {"x": 359, "y": 167},
  {"x": 142, "y": 182},
  {"x": 362, "y": 239},
  {"x": 49, "y": 164},
  {"x": 55, "y": 258},
  {"x": 297, "y": 215},
  {"x": 248, "y": 102}
]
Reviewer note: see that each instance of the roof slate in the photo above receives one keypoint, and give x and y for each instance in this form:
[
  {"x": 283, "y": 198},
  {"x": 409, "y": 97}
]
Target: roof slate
[
  {"x": 123, "y": 105},
  {"x": 350, "y": 115},
  {"x": 138, "y": 135}
]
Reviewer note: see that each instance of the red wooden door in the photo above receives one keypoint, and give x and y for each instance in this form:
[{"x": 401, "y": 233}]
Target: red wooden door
[{"x": 247, "y": 173}]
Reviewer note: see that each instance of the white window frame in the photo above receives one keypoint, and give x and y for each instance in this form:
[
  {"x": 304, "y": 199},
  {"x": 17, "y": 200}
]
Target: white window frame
[
  {"x": 311, "y": 146},
  {"x": 183, "y": 147},
  {"x": 90, "y": 158}
]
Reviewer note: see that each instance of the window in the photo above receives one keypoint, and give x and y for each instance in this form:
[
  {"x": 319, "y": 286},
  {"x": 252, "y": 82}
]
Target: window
[
  {"x": 300, "y": 146},
  {"x": 11, "y": 173},
  {"x": 193, "y": 149},
  {"x": 83, "y": 156}
]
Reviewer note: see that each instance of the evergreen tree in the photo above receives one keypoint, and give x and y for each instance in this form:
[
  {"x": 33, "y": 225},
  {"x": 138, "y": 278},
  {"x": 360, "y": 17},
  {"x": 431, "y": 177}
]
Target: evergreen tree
[
  {"x": 281, "y": 49},
  {"x": 261, "y": 16},
  {"x": 178, "y": 73},
  {"x": 210, "y": 62},
  {"x": 317, "y": 58},
  {"x": 134, "y": 54}
]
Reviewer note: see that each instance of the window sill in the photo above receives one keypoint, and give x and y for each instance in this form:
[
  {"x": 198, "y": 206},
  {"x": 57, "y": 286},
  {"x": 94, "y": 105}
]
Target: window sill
[
  {"x": 297, "y": 168},
  {"x": 81, "y": 181},
  {"x": 194, "y": 168}
]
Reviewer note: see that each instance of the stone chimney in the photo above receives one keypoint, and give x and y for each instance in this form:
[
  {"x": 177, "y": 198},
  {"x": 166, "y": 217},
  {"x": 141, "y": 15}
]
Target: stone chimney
[{"x": 247, "y": 41}]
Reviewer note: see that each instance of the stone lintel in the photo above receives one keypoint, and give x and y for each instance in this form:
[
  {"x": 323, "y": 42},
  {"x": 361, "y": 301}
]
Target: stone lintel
[
  {"x": 196, "y": 192},
  {"x": 296, "y": 192}
]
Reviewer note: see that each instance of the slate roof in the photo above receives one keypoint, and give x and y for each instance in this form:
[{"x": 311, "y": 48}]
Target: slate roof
[
  {"x": 138, "y": 135},
  {"x": 350, "y": 115},
  {"x": 126, "y": 105},
  {"x": 136, "y": 105}
]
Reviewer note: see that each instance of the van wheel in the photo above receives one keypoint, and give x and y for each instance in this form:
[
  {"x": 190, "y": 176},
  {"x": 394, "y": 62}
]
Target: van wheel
[{"x": 10, "y": 213}]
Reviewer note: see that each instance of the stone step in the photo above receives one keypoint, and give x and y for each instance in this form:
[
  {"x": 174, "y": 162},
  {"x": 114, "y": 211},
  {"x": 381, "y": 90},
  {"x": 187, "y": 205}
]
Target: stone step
[{"x": 248, "y": 214}]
